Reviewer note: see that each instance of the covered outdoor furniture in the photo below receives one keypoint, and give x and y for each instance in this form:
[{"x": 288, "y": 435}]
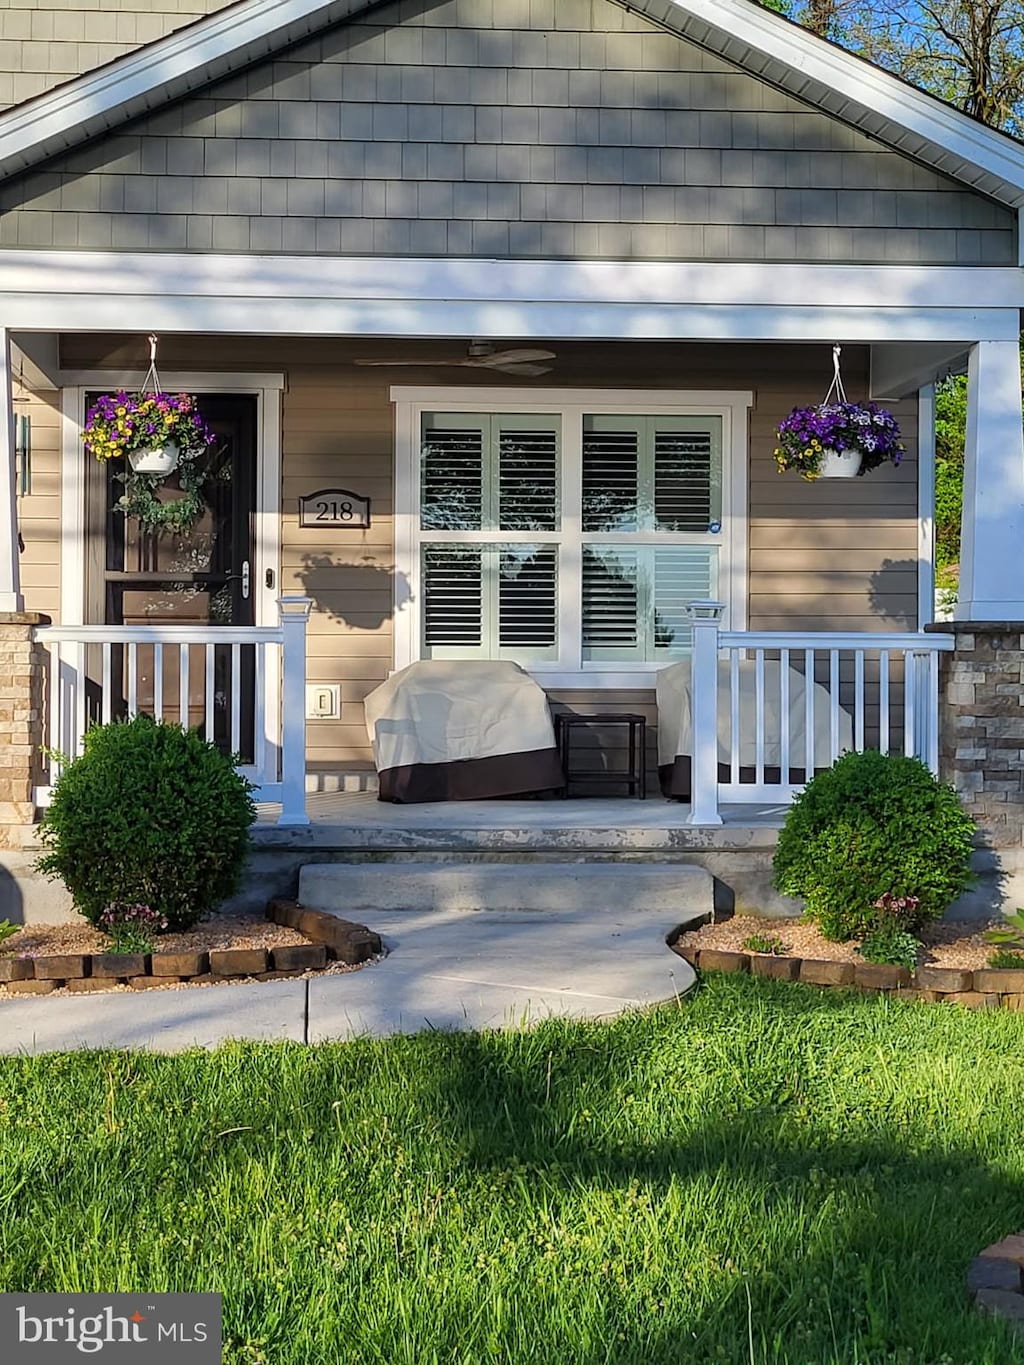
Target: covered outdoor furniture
[
  {"x": 675, "y": 728},
  {"x": 461, "y": 730}
]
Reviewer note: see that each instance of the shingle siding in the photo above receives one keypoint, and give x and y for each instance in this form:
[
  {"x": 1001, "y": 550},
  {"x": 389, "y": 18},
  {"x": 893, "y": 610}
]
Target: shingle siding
[
  {"x": 498, "y": 128},
  {"x": 43, "y": 43}
]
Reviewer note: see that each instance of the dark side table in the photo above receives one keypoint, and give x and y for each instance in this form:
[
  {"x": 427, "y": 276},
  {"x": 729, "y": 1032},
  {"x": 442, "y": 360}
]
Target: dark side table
[{"x": 634, "y": 776}]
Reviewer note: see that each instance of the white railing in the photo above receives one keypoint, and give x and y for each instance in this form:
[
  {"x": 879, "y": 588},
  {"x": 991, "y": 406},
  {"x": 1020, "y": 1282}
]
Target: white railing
[
  {"x": 770, "y": 708},
  {"x": 242, "y": 686}
]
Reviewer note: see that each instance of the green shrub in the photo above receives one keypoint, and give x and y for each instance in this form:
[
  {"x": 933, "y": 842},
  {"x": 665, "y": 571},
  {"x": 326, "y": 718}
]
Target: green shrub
[
  {"x": 1006, "y": 960},
  {"x": 764, "y": 943},
  {"x": 7, "y": 929},
  {"x": 890, "y": 945},
  {"x": 149, "y": 814},
  {"x": 873, "y": 833}
]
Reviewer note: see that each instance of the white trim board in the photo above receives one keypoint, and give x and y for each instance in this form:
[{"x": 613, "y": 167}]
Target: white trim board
[
  {"x": 183, "y": 276},
  {"x": 815, "y": 71},
  {"x": 569, "y": 670},
  {"x": 44, "y": 291}
]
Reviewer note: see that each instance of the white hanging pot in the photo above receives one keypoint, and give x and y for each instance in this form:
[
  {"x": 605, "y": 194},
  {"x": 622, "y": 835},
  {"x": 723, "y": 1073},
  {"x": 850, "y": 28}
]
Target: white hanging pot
[
  {"x": 161, "y": 460},
  {"x": 840, "y": 464}
]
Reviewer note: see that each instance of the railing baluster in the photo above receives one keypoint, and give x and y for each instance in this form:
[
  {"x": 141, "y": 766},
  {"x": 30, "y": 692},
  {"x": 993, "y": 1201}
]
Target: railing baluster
[
  {"x": 259, "y": 717},
  {"x": 158, "y": 681},
  {"x": 909, "y": 701},
  {"x": 833, "y": 704},
  {"x": 734, "y": 715},
  {"x": 81, "y": 716},
  {"x": 809, "y": 745},
  {"x": 208, "y": 691},
  {"x": 784, "y": 764},
  {"x": 56, "y": 710},
  {"x": 105, "y": 700},
  {"x": 183, "y": 690},
  {"x": 236, "y": 697},
  {"x": 133, "y": 680},
  {"x": 883, "y": 701},
  {"x": 858, "y": 700},
  {"x": 759, "y": 716}
]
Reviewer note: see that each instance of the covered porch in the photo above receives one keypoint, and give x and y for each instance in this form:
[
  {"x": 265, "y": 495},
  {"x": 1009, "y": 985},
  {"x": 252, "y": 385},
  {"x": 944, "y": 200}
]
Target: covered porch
[{"x": 748, "y": 344}]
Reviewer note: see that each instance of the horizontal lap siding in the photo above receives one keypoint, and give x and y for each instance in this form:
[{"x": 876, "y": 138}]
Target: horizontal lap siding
[
  {"x": 836, "y": 556},
  {"x": 497, "y": 129},
  {"x": 39, "y": 511}
]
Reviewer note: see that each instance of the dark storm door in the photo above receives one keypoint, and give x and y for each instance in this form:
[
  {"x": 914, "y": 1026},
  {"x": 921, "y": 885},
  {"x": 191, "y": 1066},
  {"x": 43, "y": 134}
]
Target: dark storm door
[{"x": 202, "y": 577}]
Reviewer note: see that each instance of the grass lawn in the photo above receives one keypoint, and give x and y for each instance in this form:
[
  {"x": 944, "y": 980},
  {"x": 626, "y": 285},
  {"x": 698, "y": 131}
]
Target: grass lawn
[{"x": 762, "y": 1173}]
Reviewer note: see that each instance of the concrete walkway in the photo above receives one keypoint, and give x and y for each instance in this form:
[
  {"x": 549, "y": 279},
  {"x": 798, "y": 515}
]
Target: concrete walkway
[{"x": 445, "y": 970}]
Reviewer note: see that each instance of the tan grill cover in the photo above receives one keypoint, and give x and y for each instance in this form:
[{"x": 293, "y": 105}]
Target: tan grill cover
[
  {"x": 675, "y": 724},
  {"x": 461, "y": 729}
]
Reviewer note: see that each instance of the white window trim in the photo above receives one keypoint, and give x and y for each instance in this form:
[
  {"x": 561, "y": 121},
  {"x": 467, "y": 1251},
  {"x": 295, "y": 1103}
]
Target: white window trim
[
  {"x": 267, "y": 513},
  {"x": 412, "y": 401}
]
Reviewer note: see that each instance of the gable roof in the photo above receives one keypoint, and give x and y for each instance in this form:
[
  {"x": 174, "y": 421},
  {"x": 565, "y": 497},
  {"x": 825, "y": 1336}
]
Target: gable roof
[{"x": 756, "y": 40}]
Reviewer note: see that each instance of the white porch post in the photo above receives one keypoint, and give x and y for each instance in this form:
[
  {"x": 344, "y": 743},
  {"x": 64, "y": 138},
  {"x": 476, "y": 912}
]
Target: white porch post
[
  {"x": 10, "y": 574},
  {"x": 294, "y": 616},
  {"x": 704, "y": 618},
  {"x": 992, "y": 532}
]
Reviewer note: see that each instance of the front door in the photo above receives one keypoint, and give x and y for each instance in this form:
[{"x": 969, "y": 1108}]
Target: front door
[{"x": 200, "y": 577}]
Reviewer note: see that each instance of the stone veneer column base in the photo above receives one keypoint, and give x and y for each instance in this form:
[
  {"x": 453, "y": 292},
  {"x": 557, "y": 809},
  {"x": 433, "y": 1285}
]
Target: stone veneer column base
[
  {"x": 981, "y": 741},
  {"x": 22, "y": 675}
]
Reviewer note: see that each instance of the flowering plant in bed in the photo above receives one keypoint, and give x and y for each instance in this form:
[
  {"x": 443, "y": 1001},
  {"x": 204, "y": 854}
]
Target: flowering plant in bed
[
  {"x": 154, "y": 433},
  {"x": 809, "y": 436}
]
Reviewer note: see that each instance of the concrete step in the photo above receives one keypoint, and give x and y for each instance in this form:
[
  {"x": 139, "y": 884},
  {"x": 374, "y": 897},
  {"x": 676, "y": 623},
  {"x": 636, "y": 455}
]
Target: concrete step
[{"x": 351, "y": 888}]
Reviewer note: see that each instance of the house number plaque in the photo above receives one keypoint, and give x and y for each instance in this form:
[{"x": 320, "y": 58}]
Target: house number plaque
[{"x": 334, "y": 508}]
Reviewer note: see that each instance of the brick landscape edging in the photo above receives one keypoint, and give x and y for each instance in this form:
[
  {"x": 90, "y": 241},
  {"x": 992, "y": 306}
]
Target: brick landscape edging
[
  {"x": 995, "y": 1280},
  {"x": 331, "y": 940},
  {"x": 985, "y": 988}
]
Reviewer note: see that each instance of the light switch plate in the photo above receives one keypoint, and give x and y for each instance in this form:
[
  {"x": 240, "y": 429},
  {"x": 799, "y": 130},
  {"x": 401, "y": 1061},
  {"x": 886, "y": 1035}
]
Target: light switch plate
[{"x": 323, "y": 701}]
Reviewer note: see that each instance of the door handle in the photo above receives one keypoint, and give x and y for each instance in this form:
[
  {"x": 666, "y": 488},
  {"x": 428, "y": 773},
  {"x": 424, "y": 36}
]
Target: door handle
[{"x": 245, "y": 580}]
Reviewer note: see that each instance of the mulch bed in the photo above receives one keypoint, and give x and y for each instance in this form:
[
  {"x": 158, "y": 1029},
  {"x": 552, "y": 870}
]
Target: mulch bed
[{"x": 290, "y": 941}]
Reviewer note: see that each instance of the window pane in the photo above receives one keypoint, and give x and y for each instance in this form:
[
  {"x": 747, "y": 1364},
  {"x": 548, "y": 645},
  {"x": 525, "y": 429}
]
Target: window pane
[
  {"x": 634, "y": 599},
  {"x": 452, "y": 600},
  {"x": 611, "y": 602},
  {"x": 527, "y": 479},
  {"x": 680, "y": 574},
  {"x": 687, "y": 479},
  {"x": 611, "y": 487},
  {"x": 528, "y": 598},
  {"x": 490, "y": 602},
  {"x": 651, "y": 473},
  {"x": 452, "y": 478}
]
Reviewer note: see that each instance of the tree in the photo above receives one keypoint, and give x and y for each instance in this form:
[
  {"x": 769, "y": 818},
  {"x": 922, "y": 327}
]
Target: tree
[{"x": 969, "y": 52}]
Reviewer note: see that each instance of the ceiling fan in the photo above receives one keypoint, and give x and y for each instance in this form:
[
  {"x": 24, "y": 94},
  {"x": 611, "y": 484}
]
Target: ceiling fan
[{"x": 482, "y": 355}]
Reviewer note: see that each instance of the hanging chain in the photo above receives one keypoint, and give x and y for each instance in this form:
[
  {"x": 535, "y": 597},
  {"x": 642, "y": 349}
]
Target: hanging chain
[
  {"x": 836, "y": 387},
  {"x": 152, "y": 379}
]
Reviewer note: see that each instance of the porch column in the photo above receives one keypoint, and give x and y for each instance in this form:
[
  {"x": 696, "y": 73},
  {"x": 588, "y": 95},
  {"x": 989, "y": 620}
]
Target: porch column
[
  {"x": 992, "y": 529},
  {"x": 10, "y": 574}
]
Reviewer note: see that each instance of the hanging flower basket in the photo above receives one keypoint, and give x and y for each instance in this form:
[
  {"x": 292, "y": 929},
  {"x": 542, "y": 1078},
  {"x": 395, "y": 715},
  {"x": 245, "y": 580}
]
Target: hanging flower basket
[
  {"x": 155, "y": 433},
  {"x": 837, "y": 439},
  {"x": 160, "y": 460}
]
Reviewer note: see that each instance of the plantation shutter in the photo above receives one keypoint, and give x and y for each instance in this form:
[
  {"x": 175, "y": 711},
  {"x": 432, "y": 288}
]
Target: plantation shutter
[
  {"x": 497, "y": 473},
  {"x": 635, "y": 597},
  {"x": 453, "y": 600},
  {"x": 526, "y": 455},
  {"x": 651, "y": 473}
]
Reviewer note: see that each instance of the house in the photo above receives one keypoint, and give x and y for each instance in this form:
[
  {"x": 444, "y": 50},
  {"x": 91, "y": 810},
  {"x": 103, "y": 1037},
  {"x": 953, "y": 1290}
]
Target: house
[{"x": 340, "y": 218}]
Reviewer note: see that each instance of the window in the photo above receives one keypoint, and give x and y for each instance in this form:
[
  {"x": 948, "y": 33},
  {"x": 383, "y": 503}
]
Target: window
[{"x": 571, "y": 538}]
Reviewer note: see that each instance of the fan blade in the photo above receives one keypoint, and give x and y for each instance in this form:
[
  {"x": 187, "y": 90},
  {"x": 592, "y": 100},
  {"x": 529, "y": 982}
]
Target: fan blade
[
  {"x": 522, "y": 357},
  {"x": 411, "y": 362},
  {"x": 522, "y": 369}
]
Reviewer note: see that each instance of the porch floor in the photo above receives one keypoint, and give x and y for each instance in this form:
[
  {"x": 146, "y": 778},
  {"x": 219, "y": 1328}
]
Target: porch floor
[{"x": 358, "y": 819}]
